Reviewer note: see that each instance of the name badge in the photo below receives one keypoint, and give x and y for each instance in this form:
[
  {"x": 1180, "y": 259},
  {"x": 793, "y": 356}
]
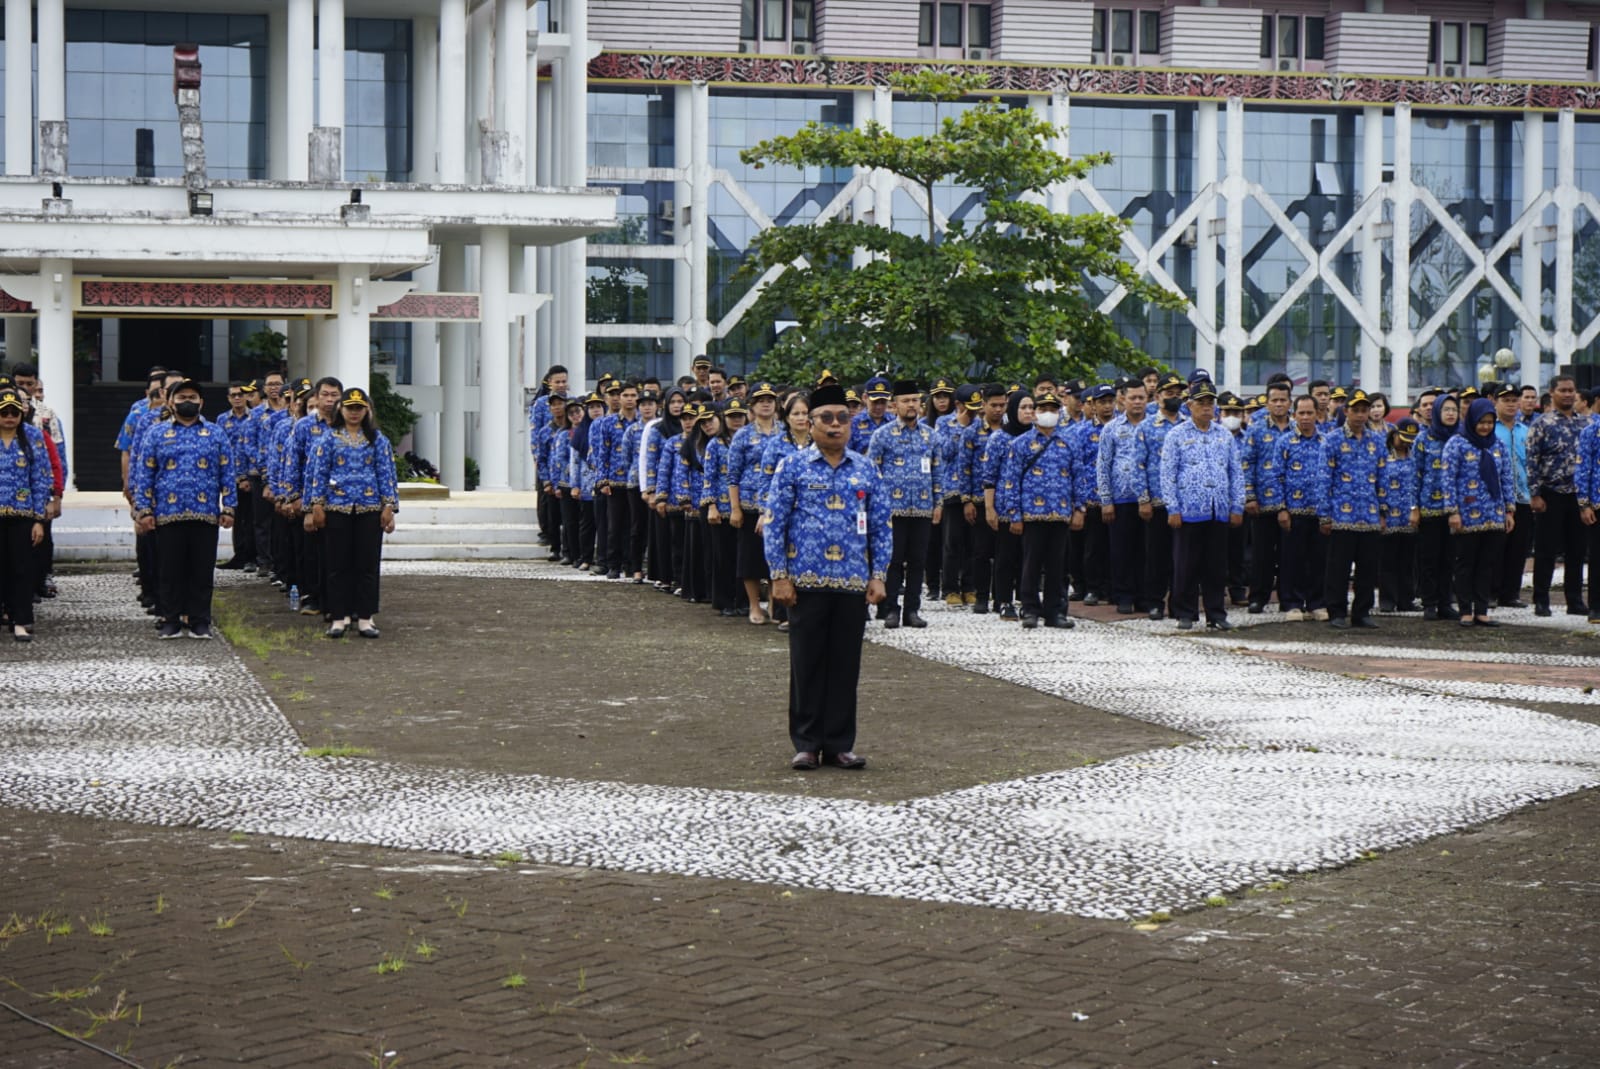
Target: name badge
[
  {"x": 861, "y": 522},
  {"x": 927, "y": 465}
]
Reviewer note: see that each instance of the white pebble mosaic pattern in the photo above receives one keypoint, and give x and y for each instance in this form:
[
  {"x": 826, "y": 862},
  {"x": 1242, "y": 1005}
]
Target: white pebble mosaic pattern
[{"x": 1312, "y": 776}]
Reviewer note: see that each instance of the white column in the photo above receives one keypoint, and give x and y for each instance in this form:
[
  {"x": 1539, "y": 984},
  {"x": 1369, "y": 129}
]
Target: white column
[
  {"x": 480, "y": 69},
  {"x": 518, "y": 375},
  {"x": 531, "y": 130},
  {"x": 322, "y": 359},
  {"x": 1233, "y": 187},
  {"x": 298, "y": 102},
  {"x": 1372, "y": 251},
  {"x": 573, "y": 103},
  {"x": 425, "y": 100},
  {"x": 883, "y": 182},
  {"x": 494, "y": 359},
  {"x": 862, "y": 108},
  {"x": 1532, "y": 281},
  {"x": 55, "y": 343},
  {"x": 330, "y": 64},
  {"x": 511, "y": 85},
  {"x": 19, "y": 86},
  {"x": 425, "y": 368},
  {"x": 452, "y": 113},
  {"x": 452, "y": 373},
  {"x": 699, "y": 219},
  {"x": 353, "y": 328},
  {"x": 1566, "y": 204},
  {"x": 1401, "y": 193},
  {"x": 52, "y": 62},
  {"x": 277, "y": 94},
  {"x": 683, "y": 306},
  {"x": 1205, "y": 238}
]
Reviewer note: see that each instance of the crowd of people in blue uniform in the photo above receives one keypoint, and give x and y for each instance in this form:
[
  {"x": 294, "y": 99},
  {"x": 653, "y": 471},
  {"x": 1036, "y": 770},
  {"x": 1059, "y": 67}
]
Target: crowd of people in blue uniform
[{"x": 1154, "y": 493}]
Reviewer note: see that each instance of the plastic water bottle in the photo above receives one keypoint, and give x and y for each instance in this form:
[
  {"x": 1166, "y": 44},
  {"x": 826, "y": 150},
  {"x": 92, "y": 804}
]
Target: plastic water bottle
[{"x": 294, "y": 598}]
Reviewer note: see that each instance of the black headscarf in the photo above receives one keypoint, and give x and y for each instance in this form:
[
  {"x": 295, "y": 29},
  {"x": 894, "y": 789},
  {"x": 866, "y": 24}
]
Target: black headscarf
[
  {"x": 1488, "y": 470},
  {"x": 1013, "y": 426},
  {"x": 1437, "y": 430}
]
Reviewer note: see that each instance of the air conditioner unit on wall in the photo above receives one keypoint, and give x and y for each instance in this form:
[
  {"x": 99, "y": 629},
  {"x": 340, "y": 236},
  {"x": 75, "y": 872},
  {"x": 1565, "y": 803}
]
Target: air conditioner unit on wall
[
  {"x": 978, "y": 53},
  {"x": 1449, "y": 72},
  {"x": 802, "y": 48},
  {"x": 1286, "y": 64},
  {"x": 747, "y": 46},
  {"x": 1119, "y": 60}
]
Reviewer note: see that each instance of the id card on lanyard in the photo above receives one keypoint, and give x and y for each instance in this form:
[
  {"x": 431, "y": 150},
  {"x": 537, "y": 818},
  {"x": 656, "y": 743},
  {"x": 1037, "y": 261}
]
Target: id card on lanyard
[{"x": 861, "y": 512}]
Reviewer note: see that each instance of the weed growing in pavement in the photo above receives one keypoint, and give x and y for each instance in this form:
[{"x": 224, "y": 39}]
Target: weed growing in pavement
[
  {"x": 224, "y": 923},
  {"x": 161, "y": 904},
  {"x": 514, "y": 981},
  {"x": 638, "y": 1057},
  {"x": 390, "y": 963},
  {"x": 425, "y": 950},
  {"x": 1160, "y": 916},
  {"x": 459, "y": 908},
  {"x": 1216, "y": 900},
  {"x": 385, "y": 893},
  {"x": 241, "y": 630},
  {"x": 70, "y": 994},
  {"x": 341, "y": 750},
  {"x": 238, "y": 837},
  {"x": 59, "y": 929},
  {"x": 379, "y": 1058},
  {"x": 14, "y": 926},
  {"x": 99, "y": 926},
  {"x": 1278, "y": 885},
  {"x": 299, "y": 966},
  {"x": 583, "y": 980},
  {"x": 507, "y": 858},
  {"x": 299, "y": 696}
]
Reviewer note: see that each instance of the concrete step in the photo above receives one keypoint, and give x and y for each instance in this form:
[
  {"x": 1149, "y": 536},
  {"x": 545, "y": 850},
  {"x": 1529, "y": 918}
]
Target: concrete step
[
  {"x": 465, "y": 551},
  {"x": 465, "y": 533}
]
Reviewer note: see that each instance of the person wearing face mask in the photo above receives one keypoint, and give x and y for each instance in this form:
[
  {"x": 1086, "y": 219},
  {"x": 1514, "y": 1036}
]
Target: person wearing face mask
[
  {"x": 183, "y": 491},
  {"x": 1152, "y": 510},
  {"x": 1231, "y": 406},
  {"x": 975, "y": 497},
  {"x": 1351, "y": 512},
  {"x": 1039, "y": 501},
  {"x": 1007, "y": 546}
]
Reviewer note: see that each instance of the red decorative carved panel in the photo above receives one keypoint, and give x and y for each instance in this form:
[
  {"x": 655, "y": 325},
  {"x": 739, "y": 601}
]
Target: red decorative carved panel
[
  {"x": 459, "y": 307},
  {"x": 197, "y": 298}
]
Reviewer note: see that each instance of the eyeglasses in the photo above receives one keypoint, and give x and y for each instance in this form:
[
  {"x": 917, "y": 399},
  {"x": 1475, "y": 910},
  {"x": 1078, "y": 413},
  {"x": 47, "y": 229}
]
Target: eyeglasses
[{"x": 829, "y": 418}]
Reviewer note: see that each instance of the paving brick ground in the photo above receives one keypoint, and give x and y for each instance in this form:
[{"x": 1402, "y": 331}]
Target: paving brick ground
[{"x": 1477, "y": 949}]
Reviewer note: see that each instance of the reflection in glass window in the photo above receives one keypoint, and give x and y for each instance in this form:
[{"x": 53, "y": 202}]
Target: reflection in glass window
[
  {"x": 1149, "y": 32},
  {"x": 1122, "y": 31},
  {"x": 950, "y": 25},
  {"x": 978, "y": 25},
  {"x": 773, "y": 20},
  {"x": 1315, "y": 32},
  {"x": 1288, "y": 37}
]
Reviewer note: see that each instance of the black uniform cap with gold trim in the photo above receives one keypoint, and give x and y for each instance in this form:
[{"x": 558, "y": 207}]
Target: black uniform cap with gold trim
[
  {"x": 11, "y": 399},
  {"x": 355, "y": 397}
]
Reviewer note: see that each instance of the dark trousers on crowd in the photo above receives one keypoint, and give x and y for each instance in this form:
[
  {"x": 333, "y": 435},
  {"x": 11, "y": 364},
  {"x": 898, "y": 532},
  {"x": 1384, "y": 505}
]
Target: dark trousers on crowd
[
  {"x": 144, "y": 553},
  {"x": 569, "y": 524},
  {"x": 933, "y": 555},
  {"x": 262, "y": 517},
  {"x": 1007, "y": 562},
  {"x": 722, "y": 554},
  {"x": 1044, "y": 565},
  {"x": 1128, "y": 556},
  {"x": 955, "y": 546},
  {"x": 980, "y": 565},
  {"x": 1361, "y": 550},
  {"x": 550, "y": 516},
  {"x": 186, "y": 555},
  {"x": 825, "y": 634},
  {"x": 1238, "y": 543},
  {"x": 354, "y": 547},
  {"x": 658, "y": 550},
  {"x": 1434, "y": 568},
  {"x": 1561, "y": 534},
  {"x": 1514, "y": 560},
  {"x": 676, "y": 524},
  {"x": 696, "y": 558},
  {"x": 907, "y": 562},
  {"x": 294, "y": 574},
  {"x": 16, "y": 568},
  {"x": 1090, "y": 556},
  {"x": 282, "y": 553},
  {"x": 1266, "y": 541},
  {"x": 314, "y": 567},
  {"x": 638, "y": 532},
  {"x": 602, "y": 530},
  {"x": 585, "y": 548},
  {"x": 1158, "y": 561},
  {"x": 1200, "y": 570},
  {"x": 244, "y": 527},
  {"x": 1478, "y": 559},
  {"x": 44, "y": 557},
  {"x": 618, "y": 526},
  {"x": 1304, "y": 549},
  {"x": 1397, "y": 574}
]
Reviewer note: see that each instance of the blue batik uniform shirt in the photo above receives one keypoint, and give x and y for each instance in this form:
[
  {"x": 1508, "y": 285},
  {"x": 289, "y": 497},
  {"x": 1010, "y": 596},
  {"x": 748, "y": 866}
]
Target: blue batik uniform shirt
[
  {"x": 1399, "y": 492},
  {"x": 1301, "y": 473},
  {"x": 184, "y": 473},
  {"x": 1039, "y": 480},
  {"x": 908, "y": 463},
  {"x": 863, "y": 427},
  {"x": 1464, "y": 491},
  {"x": 1258, "y": 456},
  {"x": 744, "y": 461},
  {"x": 1200, "y": 475},
  {"x": 1117, "y": 476},
  {"x": 1354, "y": 468},
  {"x": 968, "y": 477},
  {"x": 771, "y": 456},
  {"x": 352, "y": 476},
  {"x": 1149, "y": 439},
  {"x": 26, "y": 482},
  {"x": 828, "y": 528}
]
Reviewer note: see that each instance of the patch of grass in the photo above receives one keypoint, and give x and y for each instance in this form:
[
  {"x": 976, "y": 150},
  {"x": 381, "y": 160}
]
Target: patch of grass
[
  {"x": 458, "y": 907},
  {"x": 276, "y": 674},
  {"x": 385, "y": 893},
  {"x": 224, "y": 923},
  {"x": 299, "y": 696},
  {"x": 390, "y": 963},
  {"x": 638, "y": 1057},
  {"x": 161, "y": 904},
  {"x": 514, "y": 981},
  {"x": 299, "y": 966},
  {"x": 242, "y": 630},
  {"x": 238, "y": 837},
  {"x": 57, "y": 930},
  {"x": 583, "y": 980},
  {"x": 340, "y": 750},
  {"x": 71, "y": 994},
  {"x": 1278, "y": 885},
  {"x": 425, "y": 950},
  {"x": 1160, "y": 916},
  {"x": 99, "y": 927},
  {"x": 13, "y": 926},
  {"x": 508, "y": 857},
  {"x": 1216, "y": 900},
  {"x": 308, "y": 679}
]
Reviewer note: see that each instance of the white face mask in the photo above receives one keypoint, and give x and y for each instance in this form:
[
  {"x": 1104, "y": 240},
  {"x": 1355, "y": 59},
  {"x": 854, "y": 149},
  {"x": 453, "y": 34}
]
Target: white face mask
[
  {"x": 1231, "y": 422},
  {"x": 1047, "y": 417}
]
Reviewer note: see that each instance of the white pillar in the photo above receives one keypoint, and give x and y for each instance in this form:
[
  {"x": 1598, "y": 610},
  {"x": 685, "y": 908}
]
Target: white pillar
[
  {"x": 330, "y": 65},
  {"x": 55, "y": 343},
  {"x": 699, "y": 219},
  {"x": 530, "y": 130},
  {"x": 452, "y": 113},
  {"x": 425, "y": 100},
  {"x": 864, "y": 112},
  {"x": 574, "y": 132},
  {"x": 511, "y": 85},
  {"x": 683, "y": 306},
  {"x": 452, "y": 373},
  {"x": 322, "y": 359},
  {"x": 1401, "y": 190},
  {"x": 19, "y": 87},
  {"x": 480, "y": 68},
  {"x": 52, "y": 62},
  {"x": 1566, "y": 204},
  {"x": 542, "y": 171},
  {"x": 494, "y": 359},
  {"x": 298, "y": 101},
  {"x": 883, "y": 182},
  {"x": 1532, "y": 281},
  {"x": 1372, "y": 251},
  {"x": 1234, "y": 335},
  {"x": 1205, "y": 238},
  {"x": 518, "y": 375},
  {"x": 277, "y": 94},
  {"x": 353, "y": 328}
]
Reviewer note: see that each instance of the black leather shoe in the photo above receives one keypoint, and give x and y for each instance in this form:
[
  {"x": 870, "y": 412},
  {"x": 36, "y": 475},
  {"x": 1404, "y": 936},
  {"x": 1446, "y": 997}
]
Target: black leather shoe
[
  {"x": 1185, "y": 625},
  {"x": 1218, "y": 625},
  {"x": 1541, "y": 610},
  {"x": 1029, "y": 622},
  {"x": 1448, "y": 612},
  {"x": 1091, "y": 599},
  {"x": 1158, "y": 613},
  {"x": 891, "y": 619},
  {"x": 1008, "y": 612},
  {"x": 806, "y": 761},
  {"x": 1430, "y": 613},
  {"x": 1514, "y": 603},
  {"x": 1076, "y": 595},
  {"x": 911, "y": 619},
  {"x": 1366, "y": 623},
  {"x": 1339, "y": 623},
  {"x": 1485, "y": 622},
  {"x": 1577, "y": 609},
  {"x": 980, "y": 608},
  {"x": 1066, "y": 623},
  {"x": 1256, "y": 608},
  {"x": 368, "y": 632},
  {"x": 1125, "y": 608},
  {"x": 1386, "y": 606},
  {"x": 848, "y": 759}
]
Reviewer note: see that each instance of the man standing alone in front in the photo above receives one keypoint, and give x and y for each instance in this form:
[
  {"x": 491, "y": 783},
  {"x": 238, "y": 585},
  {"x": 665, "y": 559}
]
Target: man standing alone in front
[{"x": 828, "y": 540}]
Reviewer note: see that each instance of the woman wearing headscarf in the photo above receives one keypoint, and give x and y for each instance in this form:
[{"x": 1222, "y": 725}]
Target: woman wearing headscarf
[
  {"x": 1481, "y": 505},
  {"x": 1434, "y": 568}
]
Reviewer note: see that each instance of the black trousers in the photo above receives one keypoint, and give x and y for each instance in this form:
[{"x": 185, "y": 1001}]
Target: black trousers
[
  {"x": 981, "y": 563},
  {"x": 676, "y": 522},
  {"x": 1361, "y": 550},
  {"x": 1514, "y": 561},
  {"x": 1200, "y": 570},
  {"x": 1478, "y": 559},
  {"x": 569, "y": 527},
  {"x": 186, "y": 553},
  {"x": 602, "y": 530},
  {"x": 1435, "y": 572},
  {"x": 696, "y": 558},
  {"x": 1561, "y": 534},
  {"x": 353, "y": 542},
  {"x": 658, "y": 552},
  {"x": 1397, "y": 574},
  {"x": 1238, "y": 544},
  {"x": 262, "y": 515},
  {"x": 282, "y": 552},
  {"x": 1266, "y": 541},
  {"x": 723, "y": 550},
  {"x": 1044, "y": 565},
  {"x": 585, "y": 548},
  {"x": 314, "y": 567},
  {"x": 956, "y": 548},
  {"x": 1304, "y": 566},
  {"x": 1158, "y": 561},
  {"x": 638, "y": 534},
  {"x": 144, "y": 554},
  {"x": 244, "y": 526},
  {"x": 825, "y": 634},
  {"x": 908, "y": 561},
  {"x": 933, "y": 569},
  {"x": 44, "y": 557},
  {"x": 619, "y": 524},
  {"x": 1007, "y": 563},
  {"x": 1127, "y": 543},
  {"x": 550, "y": 516},
  {"x": 16, "y": 568},
  {"x": 1091, "y": 556}
]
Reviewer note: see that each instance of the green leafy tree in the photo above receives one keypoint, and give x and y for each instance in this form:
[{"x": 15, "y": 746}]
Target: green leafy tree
[{"x": 992, "y": 300}]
